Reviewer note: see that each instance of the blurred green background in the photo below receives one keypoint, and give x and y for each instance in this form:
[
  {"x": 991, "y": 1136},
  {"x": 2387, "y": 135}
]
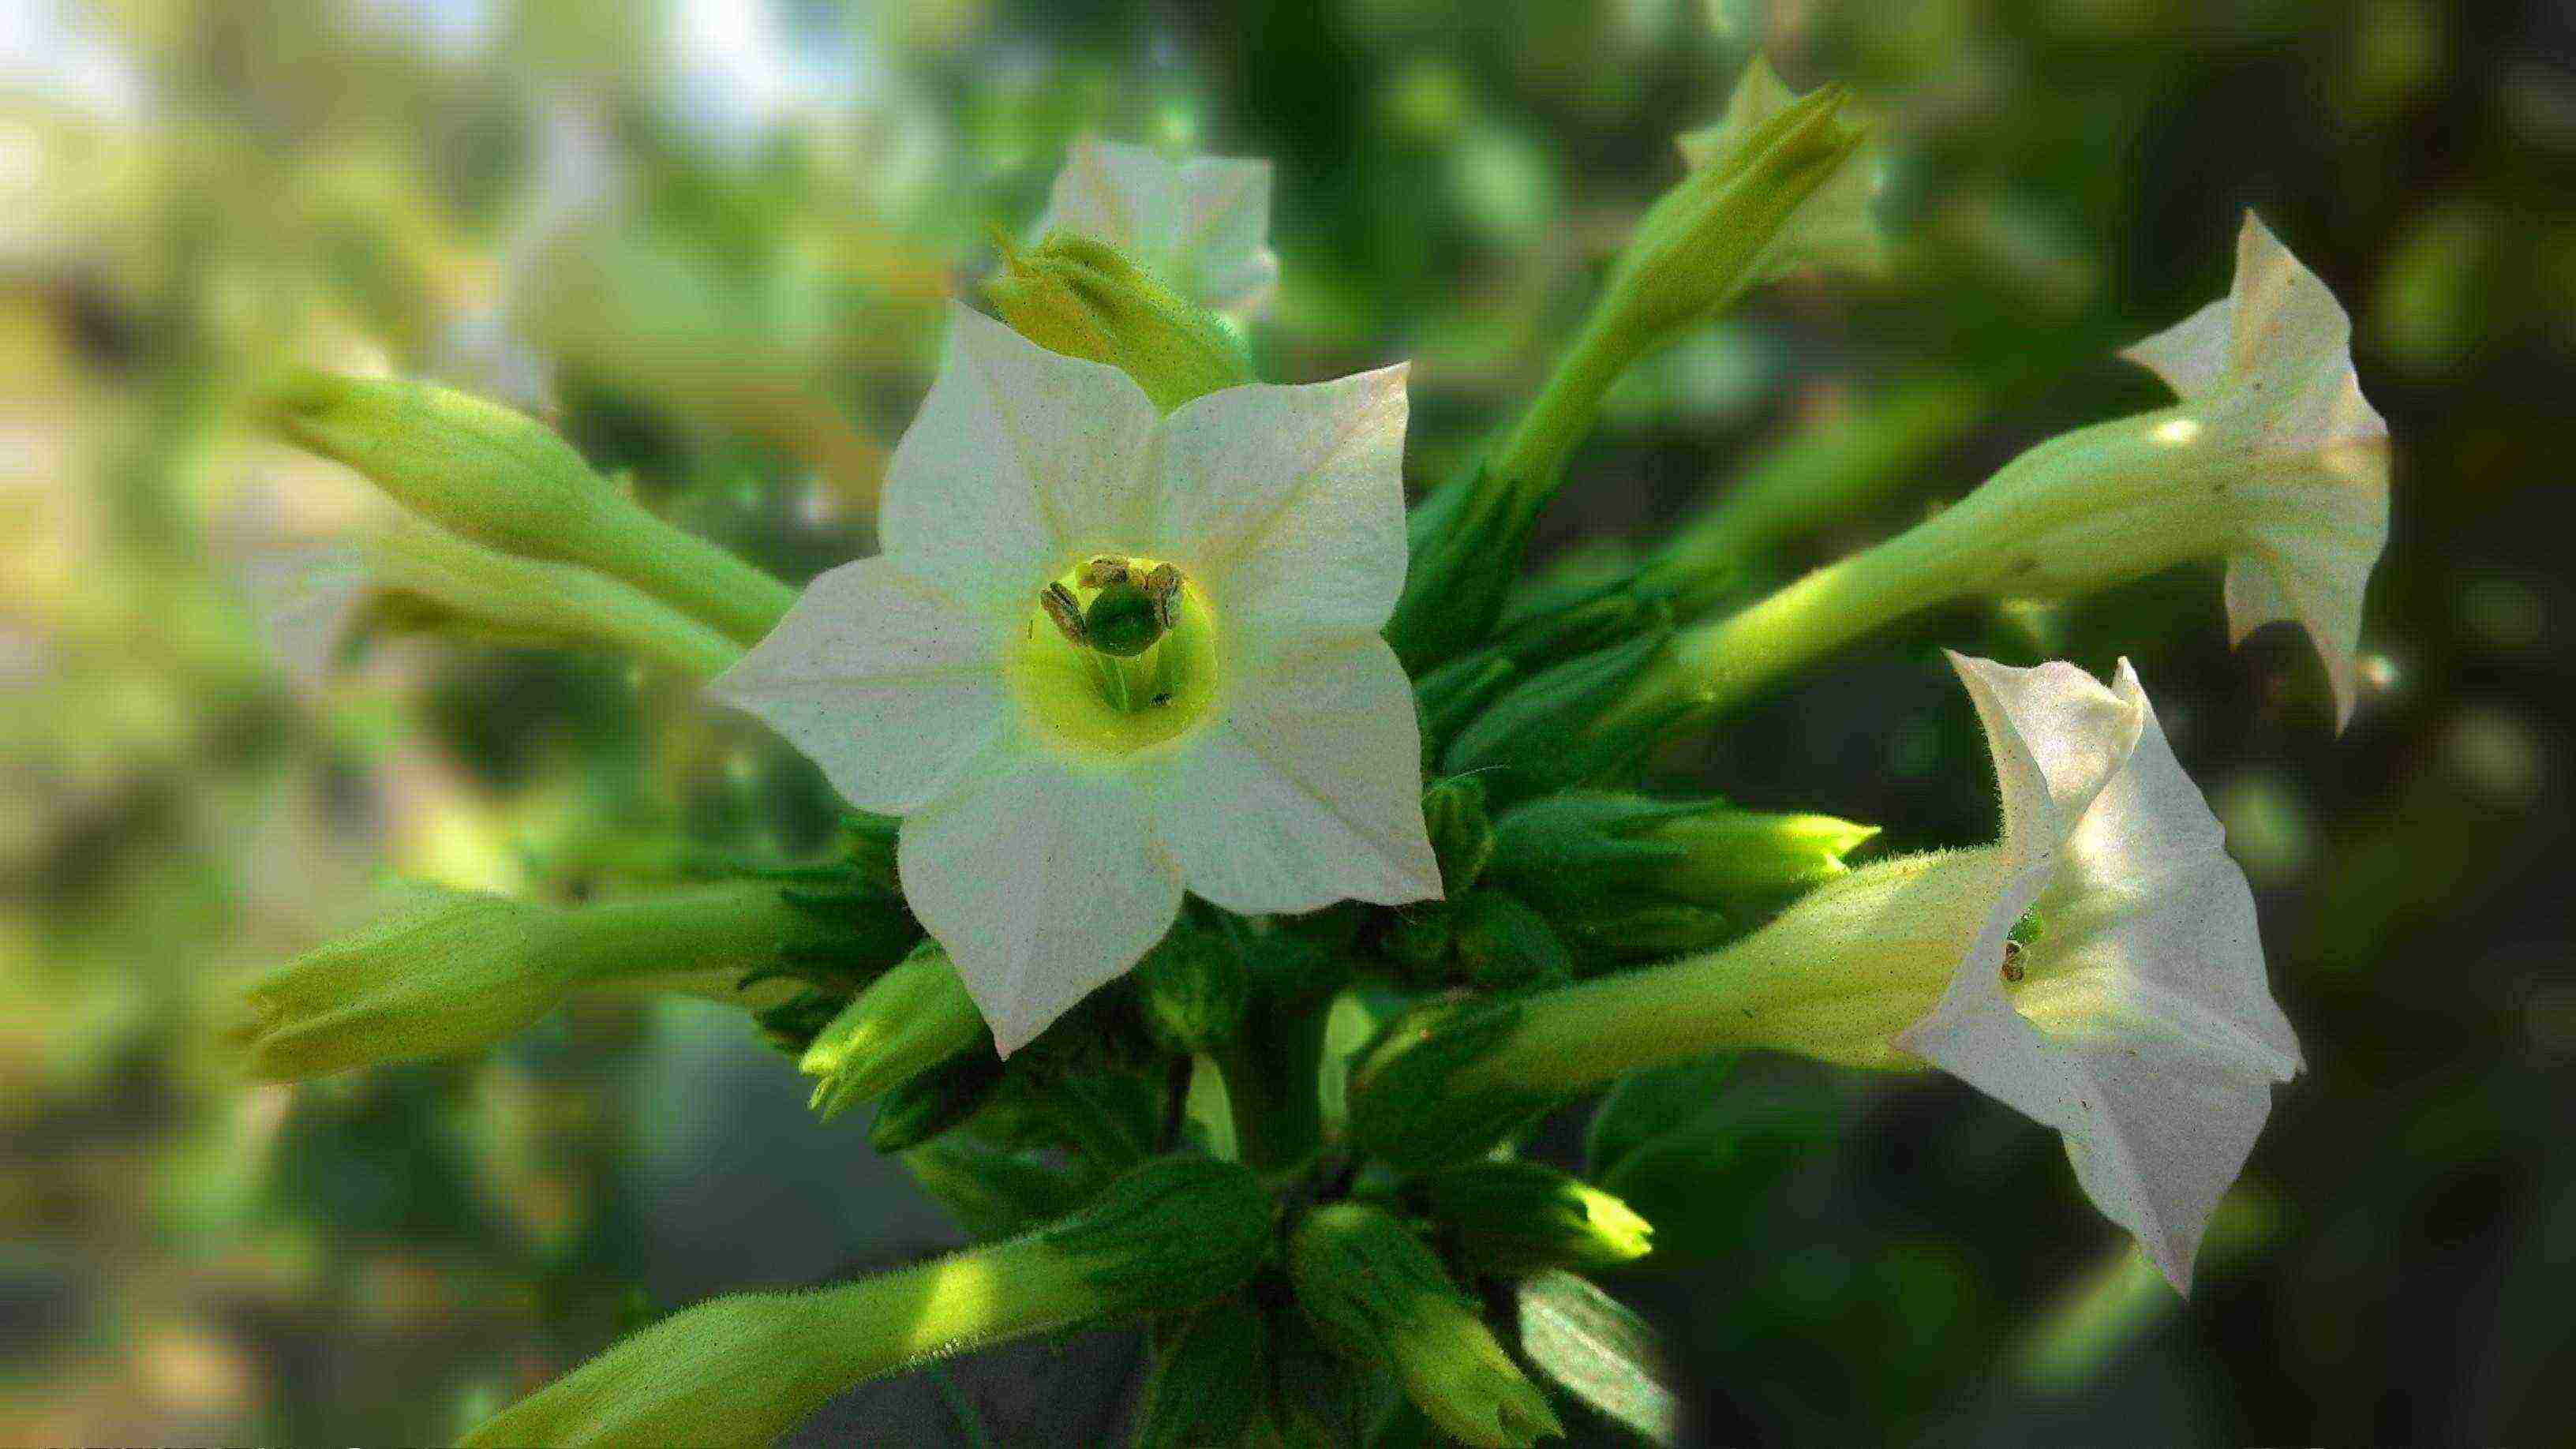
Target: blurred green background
[{"x": 712, "y": 240}]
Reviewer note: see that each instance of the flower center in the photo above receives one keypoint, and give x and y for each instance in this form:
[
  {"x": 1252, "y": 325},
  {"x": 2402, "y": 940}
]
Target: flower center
[{"x": 1119, "y": 655}]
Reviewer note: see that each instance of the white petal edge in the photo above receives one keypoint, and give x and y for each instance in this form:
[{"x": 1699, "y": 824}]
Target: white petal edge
[
  {"x": 2194, "y": 354},
  {"x": 1127, "y": 196},
  {"x": 1019, "y": 459},
  {"x": 2152, "y": 1042},
  {"x": 1287, "y": 502},
  {"x": 305, "y": 600},
  {"x": 1221, "y": 245},
  {"x": 889, "y": 684},
  {"x": 1043, "y": 882},
  {"x": 1309, "y": 791}
]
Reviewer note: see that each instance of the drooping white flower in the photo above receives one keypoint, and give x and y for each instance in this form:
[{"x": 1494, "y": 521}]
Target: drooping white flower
[
  {"x": 1109, "y": 654},
  {"x": 2132, "y": 1013},
  {"x": 1201, "y": 226},
  {"x": 2267, "y": 371}
]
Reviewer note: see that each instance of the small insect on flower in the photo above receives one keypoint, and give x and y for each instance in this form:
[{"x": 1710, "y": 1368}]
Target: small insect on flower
[{"x": 2013, "y": 970}]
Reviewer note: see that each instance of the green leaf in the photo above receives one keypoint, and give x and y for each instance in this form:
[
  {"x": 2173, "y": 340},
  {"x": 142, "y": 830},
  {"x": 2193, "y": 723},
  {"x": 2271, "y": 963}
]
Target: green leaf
[{"x": 1591, "y": 1346}]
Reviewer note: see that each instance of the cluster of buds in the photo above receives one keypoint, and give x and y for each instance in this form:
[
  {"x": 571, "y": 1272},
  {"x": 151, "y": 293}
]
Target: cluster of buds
[{"x": 1152, "y": 672}]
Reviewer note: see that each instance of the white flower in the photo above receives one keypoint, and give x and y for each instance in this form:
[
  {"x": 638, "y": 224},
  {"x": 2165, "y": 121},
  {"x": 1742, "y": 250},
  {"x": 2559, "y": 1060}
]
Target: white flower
[
  {"x": 2134, "y": 1018},
  {"x": 1200, "y": 226},
  {"x": 1253, "y": 741},
  {"x": 2266, "y": 371}
]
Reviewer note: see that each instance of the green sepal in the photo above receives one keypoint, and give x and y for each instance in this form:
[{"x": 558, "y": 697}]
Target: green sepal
[
  {"x": 1191, "y": 989},
  {"x": 1543, "y": 733},
  {"x": 1178, "y": 1230},
  {"x": 1404, "y": 1107},
  {"x": 935, "y": 1100},
  {"x": 1514, "y": 1219},
  {"x": 1210, "y": 1368},
  {"x": 1504, "y": 945},
  {"x": 1450, "y": 697},
  {"x": 994, "y": 1193},
  {"x": 1465, "y": 541}
]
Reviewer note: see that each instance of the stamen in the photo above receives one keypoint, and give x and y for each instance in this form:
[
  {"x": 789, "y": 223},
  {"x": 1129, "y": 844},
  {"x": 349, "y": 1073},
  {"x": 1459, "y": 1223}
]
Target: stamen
[{"x": 1060, "y": 605}]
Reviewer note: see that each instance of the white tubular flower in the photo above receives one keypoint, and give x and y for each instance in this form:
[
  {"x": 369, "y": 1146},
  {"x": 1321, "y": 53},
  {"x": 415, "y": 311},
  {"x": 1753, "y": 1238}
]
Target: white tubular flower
[
  {"x": 1109, "y": 654},
  {"x": 2097, "y": 969},
  {"x": 1201, "y": 226},
  {"x": 2133, "y": 1016},
  {"x": 2267, "y": 371}
]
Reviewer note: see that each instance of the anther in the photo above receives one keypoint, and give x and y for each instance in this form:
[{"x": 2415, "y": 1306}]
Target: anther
[{"x": 1059, "y": 603}]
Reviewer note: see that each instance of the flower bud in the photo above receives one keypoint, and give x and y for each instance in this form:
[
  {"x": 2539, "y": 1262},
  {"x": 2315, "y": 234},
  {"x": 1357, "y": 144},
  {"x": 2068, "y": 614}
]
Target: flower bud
[
  {"x": 1833, "y": 227},
  {"x": 748, "y": 1368},
  {"x": 1192, "y": 988},
  {"x": 320, "y": 603},
  {"x": 908, "y": 1020},
  {"x": 1379, "y": 1297},
  {"x": 1462, "y": 832},
  {"x": 1080, "y": 297},
  {"x": 1513, "y": 1219},
  {"x": 504, "y": 479},
  {"x": 1597, "y": 855},
  {"x": 444, "y": 971},
  {"x": 1706, "y": 240},
  {"x": 935, "y": 1100},
  {"x": 1541, "y": 732},
  {"x": 1209, "y": 1369}
]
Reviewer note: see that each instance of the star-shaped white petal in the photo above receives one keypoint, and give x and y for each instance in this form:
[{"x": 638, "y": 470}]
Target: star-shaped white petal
[
  {"x": 2268, "y": 369},
  {"x": 1044, "y": 861},
  {"x": 1201, "y": 225},
  {"x": 2141, "y": 1026}
]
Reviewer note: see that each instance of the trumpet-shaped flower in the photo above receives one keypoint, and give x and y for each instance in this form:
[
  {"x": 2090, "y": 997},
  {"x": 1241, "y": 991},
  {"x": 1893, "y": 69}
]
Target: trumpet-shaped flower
[
  {"x": 1108, "y": 654},
  {"x": 1200, "y": 226},
  {"x": 2267, "y": 370},
  {"x": 2115, "y": 990},
  {"x": 2098, "y": 969},
  {"x": 2273, "y": 461}
]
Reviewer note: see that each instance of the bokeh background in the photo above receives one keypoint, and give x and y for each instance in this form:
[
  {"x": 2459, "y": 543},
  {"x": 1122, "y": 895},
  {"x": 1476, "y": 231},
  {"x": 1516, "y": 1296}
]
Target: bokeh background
[{"x": 712, "y": 240}]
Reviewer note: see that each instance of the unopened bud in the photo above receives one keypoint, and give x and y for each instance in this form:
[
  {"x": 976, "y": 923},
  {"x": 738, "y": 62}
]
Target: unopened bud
[
  {"x": 1513, "y": 1219},
  {"x": 1601, "y": 855},
  {"x": 1080, "y": 297},
  {"x": 1461, "y": 830},
  {"x": 1379, "y": 1297},
  {"x": 504, "y": 479},
  {"x": 908, "y": 1020},
  {"x": 1705, "y": 240},
  {"x": 994, "y": 1192}
]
